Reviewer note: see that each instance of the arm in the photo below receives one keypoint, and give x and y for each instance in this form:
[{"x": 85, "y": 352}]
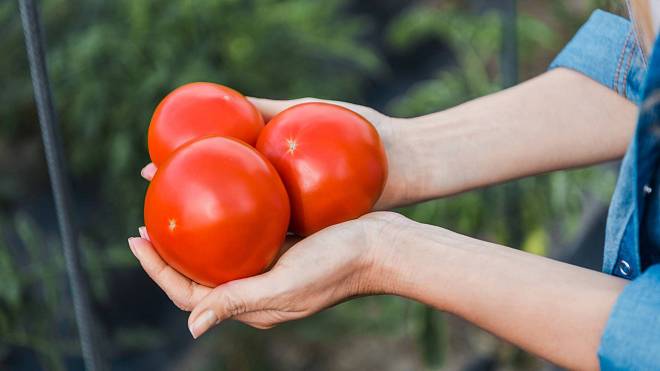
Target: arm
[
  {"x": 552, "y": 309},
  {"x": 558, "y": 120}
]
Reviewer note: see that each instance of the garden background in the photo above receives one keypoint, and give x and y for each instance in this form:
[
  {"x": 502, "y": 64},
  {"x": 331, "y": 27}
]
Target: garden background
[{"x": 110, "y": 63}]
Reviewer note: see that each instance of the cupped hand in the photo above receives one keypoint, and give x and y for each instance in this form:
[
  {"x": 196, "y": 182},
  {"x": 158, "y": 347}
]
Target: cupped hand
[
  {"x": 319, "y": 271},
  {"x": 325, "y": 268},
  {"x": 394, "y": 191}
]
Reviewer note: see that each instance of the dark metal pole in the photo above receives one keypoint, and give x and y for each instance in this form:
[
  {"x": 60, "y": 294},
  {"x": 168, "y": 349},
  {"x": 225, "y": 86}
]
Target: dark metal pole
[
  {"x": 509, "y": 70},
  {"x": 60, "y": 186}
]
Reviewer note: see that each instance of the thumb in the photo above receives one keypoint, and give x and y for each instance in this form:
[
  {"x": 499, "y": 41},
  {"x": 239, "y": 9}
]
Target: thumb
[{"x": 232, "y": 299}]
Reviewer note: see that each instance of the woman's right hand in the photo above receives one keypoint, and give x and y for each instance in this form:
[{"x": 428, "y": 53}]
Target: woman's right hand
[{"x": 330, "y": 266}]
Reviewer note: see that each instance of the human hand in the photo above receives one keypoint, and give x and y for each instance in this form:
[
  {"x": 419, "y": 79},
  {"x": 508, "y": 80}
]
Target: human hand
[
  {"x": 395, "y": 188},
  {"x": 325, "y": 268}
]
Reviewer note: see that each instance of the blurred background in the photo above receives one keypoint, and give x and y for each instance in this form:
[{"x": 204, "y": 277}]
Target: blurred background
[{"x": 111, "y": 62}]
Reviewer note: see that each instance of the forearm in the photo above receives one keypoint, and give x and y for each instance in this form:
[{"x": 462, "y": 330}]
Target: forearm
[
  {"x": 555, "y": 310},
  {"x": 558, "y": 120}
]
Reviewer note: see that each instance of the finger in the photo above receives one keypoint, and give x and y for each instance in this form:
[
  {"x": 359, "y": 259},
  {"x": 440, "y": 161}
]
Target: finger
[
  {"x": 232, "y": 299},
  {"x": 184, "y": 292},
  {"x": 270, "y": 107},
  {"x": 148, "y": 171},
  {"x": 143, "y": 233}
]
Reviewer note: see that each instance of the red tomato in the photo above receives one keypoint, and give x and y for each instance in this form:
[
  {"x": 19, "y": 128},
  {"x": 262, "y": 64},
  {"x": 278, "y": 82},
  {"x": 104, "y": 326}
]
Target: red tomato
[
  {"x": 331, "y": 160},
  {"x": 216, "y": 211},
  {"x": 197, "y": 110}
]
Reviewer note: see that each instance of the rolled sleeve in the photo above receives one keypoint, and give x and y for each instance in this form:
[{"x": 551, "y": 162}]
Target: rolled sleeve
[
  {"x": 631, "y": 340},
  {"x": 606, "y": 50}
]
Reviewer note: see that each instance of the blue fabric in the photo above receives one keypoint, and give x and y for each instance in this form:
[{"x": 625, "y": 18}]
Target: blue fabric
[
  {"x": 631, "y": 340},
  {"x": 606, "y": 49}
]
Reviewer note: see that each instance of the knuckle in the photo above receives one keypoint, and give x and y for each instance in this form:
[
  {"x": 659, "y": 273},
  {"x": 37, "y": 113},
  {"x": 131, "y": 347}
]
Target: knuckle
[
  {"x": 158, "y": 271},
  {"x": 188, "y": 300},
  {"x": 233, "y": 304}
]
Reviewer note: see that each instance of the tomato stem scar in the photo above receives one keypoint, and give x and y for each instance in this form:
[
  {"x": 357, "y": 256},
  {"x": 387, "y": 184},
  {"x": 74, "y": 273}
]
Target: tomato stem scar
[{"x": 292, "y": 145}]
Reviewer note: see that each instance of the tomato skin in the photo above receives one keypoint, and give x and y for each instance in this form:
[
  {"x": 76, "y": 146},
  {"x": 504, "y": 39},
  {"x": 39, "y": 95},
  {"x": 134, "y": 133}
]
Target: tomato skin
[
  {"x": 331, "y": 161},
  {"x": 216, "y": 211},
  {"x": 197, "y": 110}
]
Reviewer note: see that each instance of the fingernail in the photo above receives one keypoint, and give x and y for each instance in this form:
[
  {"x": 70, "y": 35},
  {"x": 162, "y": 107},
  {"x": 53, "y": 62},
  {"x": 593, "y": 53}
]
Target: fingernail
[
  {"x": 143, "y": 232},
  {"x": 202, "y": 323},
  {"x": 148, "y": 171},
  {"x": 133, "y": 246}
]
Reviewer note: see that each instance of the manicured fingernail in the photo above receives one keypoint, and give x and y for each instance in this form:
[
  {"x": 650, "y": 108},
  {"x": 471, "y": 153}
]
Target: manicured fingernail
[
  {"x": 143, "y": 232},
  {"x": 202, "y": 323},
  {"x": 133, "y": 246},
  {"x": 148, "y": 171}
]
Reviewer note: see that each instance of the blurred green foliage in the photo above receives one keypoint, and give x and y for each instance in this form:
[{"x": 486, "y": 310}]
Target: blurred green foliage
[
  {"x": 521, "y": 219},
  {"x": 111, "y": 62},
  {"x": 30, "y": 294}
]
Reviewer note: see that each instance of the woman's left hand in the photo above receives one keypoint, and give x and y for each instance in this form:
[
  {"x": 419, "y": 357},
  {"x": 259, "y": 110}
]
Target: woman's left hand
[
  {"x": 395, "y": 190},
  {"x": 323, "y": 269}
]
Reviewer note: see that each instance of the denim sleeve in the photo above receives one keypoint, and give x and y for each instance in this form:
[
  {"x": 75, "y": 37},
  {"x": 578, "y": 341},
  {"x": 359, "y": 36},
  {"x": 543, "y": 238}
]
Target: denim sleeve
[
  {"x": 632, "y": 333},
  {"x": 606, "y": 49}
]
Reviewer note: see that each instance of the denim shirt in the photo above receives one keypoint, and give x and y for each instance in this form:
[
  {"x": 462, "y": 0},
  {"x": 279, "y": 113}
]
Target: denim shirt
[{"x": 606, "y": 49}]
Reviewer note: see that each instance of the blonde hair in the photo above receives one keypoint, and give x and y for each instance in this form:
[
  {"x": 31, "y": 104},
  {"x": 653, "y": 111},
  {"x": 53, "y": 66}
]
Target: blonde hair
[{"x": 641, "y": 16}]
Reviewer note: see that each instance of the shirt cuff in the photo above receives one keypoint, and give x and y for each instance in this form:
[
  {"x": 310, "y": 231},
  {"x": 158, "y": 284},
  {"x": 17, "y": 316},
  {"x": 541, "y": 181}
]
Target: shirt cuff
[
  {"x": 606, "y": 50},
  {"x": 631, "y": 340}
]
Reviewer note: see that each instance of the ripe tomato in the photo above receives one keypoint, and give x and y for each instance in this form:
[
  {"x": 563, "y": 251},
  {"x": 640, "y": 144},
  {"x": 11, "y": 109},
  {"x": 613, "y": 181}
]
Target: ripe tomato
[
  {"x": 216, "y": 210},
  {"x": 331, "y": 160},
  {"x": 197, "y": 110}
]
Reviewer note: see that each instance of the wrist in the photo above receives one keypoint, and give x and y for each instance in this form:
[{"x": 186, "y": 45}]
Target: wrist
[
  {"x": 387, "y": 233},
  {"x": 393, "y": 134},
  {"x": 414, "y": 148},
  {"x": 420, "y": 262}
]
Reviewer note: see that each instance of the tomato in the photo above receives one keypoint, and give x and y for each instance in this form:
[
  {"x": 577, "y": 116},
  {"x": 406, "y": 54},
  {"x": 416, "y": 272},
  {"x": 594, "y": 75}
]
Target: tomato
[
  {"x": 197, "y": 110},
  {"x": 216, "y": 211},
  {"x": 331, "y": 161}
]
